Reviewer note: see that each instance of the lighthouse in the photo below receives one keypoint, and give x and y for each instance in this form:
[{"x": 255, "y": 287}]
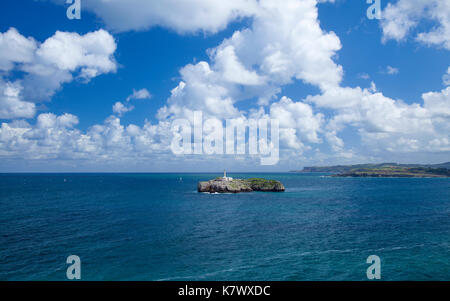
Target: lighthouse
[{"x": 225, "y": 176}]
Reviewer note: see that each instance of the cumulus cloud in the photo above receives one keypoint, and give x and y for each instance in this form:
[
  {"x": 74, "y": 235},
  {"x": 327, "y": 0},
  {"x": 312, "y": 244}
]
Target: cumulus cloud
[
  {"x": 91, "y": 53},
  {"x": 52, "y": 136},
  {"x": 65, "y": 55},
  {"x": 56, "y": 137},
  {"x": 298, "y": 122},
  {"x": 46, "y": 66},
  {"x": 400, "y": 18},
  {"x": 15, "y": 48},
  {"x": 438, "y": 103},
  {"x": 11, "y": 104},
  {"x": 232, "y": 69},
  {"x": 387, "y": 124},
  {"x": 202, "y": 89},
  {"x": 120, "y": 108},
  {"x": 140, "y": 94},
  {"x": 290, "y": 45},
  {"x": 183, "y": 16}
]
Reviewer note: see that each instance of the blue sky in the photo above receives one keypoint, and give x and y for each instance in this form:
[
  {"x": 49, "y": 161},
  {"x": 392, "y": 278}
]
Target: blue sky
[{"x": 373, "y": 110}]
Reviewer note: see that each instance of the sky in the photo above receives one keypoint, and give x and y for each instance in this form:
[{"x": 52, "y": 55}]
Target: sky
[{"x": 101, "y": 93}]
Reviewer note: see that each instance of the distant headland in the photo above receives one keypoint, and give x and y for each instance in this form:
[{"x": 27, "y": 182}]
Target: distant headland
[
  {"x": 385, "y": 170},
  {"x": 229, "y": 185}
]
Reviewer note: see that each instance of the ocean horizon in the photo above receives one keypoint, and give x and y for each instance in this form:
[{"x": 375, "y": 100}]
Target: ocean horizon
[{"x": 156, "y": 227}]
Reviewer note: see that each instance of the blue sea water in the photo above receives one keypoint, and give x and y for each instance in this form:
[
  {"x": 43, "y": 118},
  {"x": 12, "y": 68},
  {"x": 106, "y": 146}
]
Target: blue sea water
[{"x": 156, "y": 227}]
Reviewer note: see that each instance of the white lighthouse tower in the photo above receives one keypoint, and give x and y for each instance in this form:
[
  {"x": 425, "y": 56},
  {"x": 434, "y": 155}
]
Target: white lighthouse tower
[{"x": 225, "y": 176}]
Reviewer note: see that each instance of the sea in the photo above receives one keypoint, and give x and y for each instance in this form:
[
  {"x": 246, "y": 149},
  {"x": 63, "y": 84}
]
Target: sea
[{"x": 157, "y": 227}]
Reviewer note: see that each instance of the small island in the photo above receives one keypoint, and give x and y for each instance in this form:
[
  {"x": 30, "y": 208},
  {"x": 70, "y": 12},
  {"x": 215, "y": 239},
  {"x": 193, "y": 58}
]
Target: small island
[
  {"x": 229, "y": 185},
  {"x": 385, "y": 170}
]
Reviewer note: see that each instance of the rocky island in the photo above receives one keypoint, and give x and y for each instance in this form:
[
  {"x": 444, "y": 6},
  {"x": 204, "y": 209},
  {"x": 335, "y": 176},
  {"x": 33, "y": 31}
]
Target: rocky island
[{"x": 229, "y": 185}]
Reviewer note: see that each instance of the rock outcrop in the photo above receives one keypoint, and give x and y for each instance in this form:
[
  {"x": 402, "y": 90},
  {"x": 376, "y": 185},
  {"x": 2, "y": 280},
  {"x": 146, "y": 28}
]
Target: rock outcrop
[{"x": 221, "y": 185}]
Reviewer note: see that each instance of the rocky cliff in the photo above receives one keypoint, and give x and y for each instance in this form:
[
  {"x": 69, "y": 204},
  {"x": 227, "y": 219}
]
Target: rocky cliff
[{"x": 221, "y": 185}]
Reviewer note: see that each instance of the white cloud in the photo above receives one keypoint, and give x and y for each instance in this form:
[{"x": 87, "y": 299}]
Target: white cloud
[
  {"x": 232, "y": 69},
  {"x": 140, "y": 94},
  {"x": 401, "y": 18},
  {"x": 183, "y": 16},
  {"x": 202, "y": 89},
  {"x": 67, "y": 54},
  {"x": 391, "y": 70},
  {"x": 55, "y": 137},
  {"x": 91, "y": 53},
  {"x": 11, "y": 105},
  {"x": 438, "y": 103},
  {"x": 290, "y": 45},
  {"x": 48, "y": 65},
  {"x": 52, "y": 136},
  {"x": 298, "y": 122},
  {"x": 386, "y": 124},
  {"x": 120, "y": 109},
  {"x": 15, "y": 48}
]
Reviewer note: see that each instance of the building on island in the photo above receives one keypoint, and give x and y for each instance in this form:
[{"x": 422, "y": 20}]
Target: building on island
[{"x": 225, "y": 176}]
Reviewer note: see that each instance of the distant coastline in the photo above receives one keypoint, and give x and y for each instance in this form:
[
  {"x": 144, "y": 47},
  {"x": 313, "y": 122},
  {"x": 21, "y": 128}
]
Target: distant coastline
[{"x": 384, "y": 170}]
